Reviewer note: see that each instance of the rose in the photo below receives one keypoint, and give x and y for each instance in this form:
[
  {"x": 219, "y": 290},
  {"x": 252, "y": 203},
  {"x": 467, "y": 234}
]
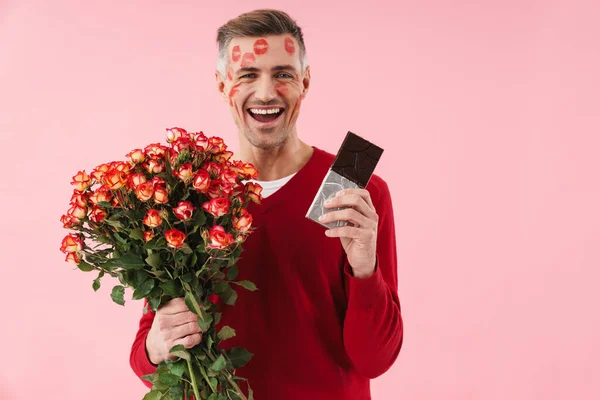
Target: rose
[
  {"x": 223, "y": 157},
  {"x": 99, "y": 171},
  {"x": 71, "y": 243},
  {"x": 144, "y": 191},
  {"x": 73, "y": 257},
  {"x": 201, "y": 181},
  {"x": 216, "y": 145},
  {"x": 81, "y": 181},
  {"x": 121, "y": 166},
  {"x": 148, "y": 236},
  {"x": 229, "y": 176},
  {"x": 218, "y": 206},
  {"x": 101, "y": 194},
  {"x": 253, "y": 191},
  {"x": 161, "y": 196},
  {"x": 214, "y": 169},
  {"x": 155, "y": 150},
  {"x": 245, "y": 170},
  {"x": 175, "y": 238},
  {"x": 218, "y": 188},
  {"x": 219, "y": 239},
  {"x": 78, "y": 199},
  {"x": 98, "y": 214},
  {"x": 115, "y": 179},
  {"x": 69, "y": 221},
  {"x": 152, "y": 218},
  {"x": 185, "y": 172},
  {"x": 154, "y": 165},
  {"x": 77, "y": 211},
  {"x": 136, "y": 179},
  {"x": 136, "y": 156},
  {"x": 184, "y": 210},
  {"x": 201, "y": 141},
  {"x": 242, "y": 222},
  {"x": 183, "y": 143},
  {"x": 175, "y": 133}
]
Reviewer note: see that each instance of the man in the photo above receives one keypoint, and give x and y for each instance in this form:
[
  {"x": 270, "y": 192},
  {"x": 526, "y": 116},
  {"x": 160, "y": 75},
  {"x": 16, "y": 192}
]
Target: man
[{"x": 326, "y": 317}]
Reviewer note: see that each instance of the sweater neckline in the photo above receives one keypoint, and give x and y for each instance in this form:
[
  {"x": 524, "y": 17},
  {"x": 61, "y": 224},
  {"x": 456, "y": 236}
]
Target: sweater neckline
[{"x": 292, "y": 186}]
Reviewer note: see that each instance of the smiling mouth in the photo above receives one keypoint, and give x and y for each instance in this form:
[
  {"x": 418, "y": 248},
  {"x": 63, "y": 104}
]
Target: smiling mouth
[{"x": 265, "y": 114}]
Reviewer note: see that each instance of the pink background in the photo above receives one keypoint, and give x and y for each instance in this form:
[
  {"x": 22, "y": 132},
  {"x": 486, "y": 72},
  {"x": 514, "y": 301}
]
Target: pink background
[{"x": 489, "y": 114}]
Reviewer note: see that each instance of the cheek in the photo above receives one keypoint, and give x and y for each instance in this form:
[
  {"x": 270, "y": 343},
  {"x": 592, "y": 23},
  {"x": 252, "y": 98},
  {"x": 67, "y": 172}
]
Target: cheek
[
  {"x": 282, "y": 88},
  {"x": 232, "y": 92},
  {"x": 247, "y": 60}
]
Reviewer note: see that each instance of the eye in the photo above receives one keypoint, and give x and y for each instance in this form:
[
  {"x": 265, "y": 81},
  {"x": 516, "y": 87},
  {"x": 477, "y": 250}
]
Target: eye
[
  {"x": 284, "y": 75},
  {"x": 249, "y": 76}
]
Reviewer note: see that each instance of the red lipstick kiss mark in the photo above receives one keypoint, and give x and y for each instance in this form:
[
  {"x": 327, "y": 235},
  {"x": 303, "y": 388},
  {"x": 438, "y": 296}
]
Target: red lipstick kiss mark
[
  {"x": 236, "y": 53},
  {"x": 261, "y": 46},
  {"x": 289, "y": 46},
  {"x": 229, "y": 75},
  {"x": 247, "y": 60},
  {"x": 281, "y": 88},
  {"x": 234, "y": 90}
]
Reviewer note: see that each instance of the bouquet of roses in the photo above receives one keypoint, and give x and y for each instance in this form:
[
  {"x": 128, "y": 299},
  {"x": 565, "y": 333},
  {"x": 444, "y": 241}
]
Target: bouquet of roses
[{"x": 170, "y": 222}]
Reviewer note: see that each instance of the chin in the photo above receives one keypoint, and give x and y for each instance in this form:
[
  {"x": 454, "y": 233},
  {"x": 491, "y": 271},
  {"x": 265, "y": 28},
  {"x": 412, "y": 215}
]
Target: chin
[{"x": 267, "y": 140}]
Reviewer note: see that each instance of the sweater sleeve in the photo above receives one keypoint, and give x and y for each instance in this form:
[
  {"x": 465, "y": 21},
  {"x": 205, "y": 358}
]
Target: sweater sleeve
[
  {"x": 138, "y": 359},
  {"x": 373, "y": 326}
]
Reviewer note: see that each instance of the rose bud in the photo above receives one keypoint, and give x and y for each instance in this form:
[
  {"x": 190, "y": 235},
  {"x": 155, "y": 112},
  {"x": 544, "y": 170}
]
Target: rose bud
[
  {"x": 79, "y": 199},
  {"x": 183, "y": 143},
  {"x": 73, "y": 257},
  {"x": 101, "y": 194},
  {"x": 201, "y": 142},
  {"x": 201, "y": 181},
  {"x": 81, "y": 181},
  {"x": 148, "y": 236},
  {"x": 77, "y": 211},
  {"x": 243, "y": 222},
  {"x": 155, "y": 150},
  {"x": 144, "y": 191},
  {"x": 136, "y": 179},
  {"x": 253, "y": 191},
  {"x": 218, "y": 206},
  {"x": 71, "y": 243},
  {"x": 175, "y": 133},
  {"x": 161, "y": 196},
  {"x": 154, "y": 165},
  {"x": 223, "y": 157},
  {"x": 136, "y": 156},
  {"x": 185, "y": 173},
  {"x": 219, "y": 239},
  {"x": 69, "y": 221},
  {"x": 214, "y": 169},
  {"x": 153, "y": 219},
  {"x": 99, "y": 171},
  {"x": 115, "y": 179},
  {"x": 98, "y": 214},
  {"x": 175, "y": 238},
  {"x": 229, "y": 176},
  {"x": 216, "y": 145},
  {"x": 184, "y": 210}
]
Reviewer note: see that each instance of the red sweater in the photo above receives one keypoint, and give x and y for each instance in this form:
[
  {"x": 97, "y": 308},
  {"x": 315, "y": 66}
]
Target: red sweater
[{"x": 315, "y": 330}]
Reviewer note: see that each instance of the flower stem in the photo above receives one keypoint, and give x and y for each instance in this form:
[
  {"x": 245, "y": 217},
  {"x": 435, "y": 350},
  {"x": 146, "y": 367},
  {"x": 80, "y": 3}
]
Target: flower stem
[
  {"x": 228, "y": 376},
  {"x": 193, "y": 377}
]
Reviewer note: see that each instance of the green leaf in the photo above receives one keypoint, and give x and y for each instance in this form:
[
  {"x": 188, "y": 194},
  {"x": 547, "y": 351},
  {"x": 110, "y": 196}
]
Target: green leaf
[
  {"x": 239, "y": 356},
  {"x": 192, "y": 303},
  {"x": 153, "y": 395},
  {"x": 221, "y": 287},
  {"x": 180, "y": 351},
  {"x": 219, "y": 363},
  {"x": 201, "y": 249},
  {"x": 205, "y": 321},
  {"x": 232, "y": 272},
  {"x": 85, "y": 267},
  {"x": 143, "y": 290},
  {"x": 213, "y": 383},
  {"x": 149, "y": 377},
  {"x": 217, "y": 317},
  {"x": 229, "y": 297},
  {"x": 171, "y": 288},
  {"x": 178, "y": 368},
  {"x": 209, "y": 342},
  {"x": 96, "y": 283},
  {"x": 127, "y": 261},
  {"x": 250, "y": 393},
  {"x": 139, "y": 276},
  {"x": 246, "y": 284},
  {"x": 117, "y": 294},
  {"x": 137, "y": 234},
  {"x": 225, "y": 333},
  {"x": 169, "y": 379},
  {"x": 113, "y": 223},
  {"x": 153, "y": 260},
  {"x": 186, "y": 249},
  {"x": 154, "y": 303}
]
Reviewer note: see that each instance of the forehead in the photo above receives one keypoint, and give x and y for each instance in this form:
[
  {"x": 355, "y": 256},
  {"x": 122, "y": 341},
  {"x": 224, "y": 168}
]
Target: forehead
[{"x": 267, "y": 50}]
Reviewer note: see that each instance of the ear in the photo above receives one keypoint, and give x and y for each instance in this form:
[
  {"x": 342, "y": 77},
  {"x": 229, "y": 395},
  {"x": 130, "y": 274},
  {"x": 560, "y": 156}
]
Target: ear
[
  {"x": 221, "y": 85},
  {"x": 305, "y": 81}
]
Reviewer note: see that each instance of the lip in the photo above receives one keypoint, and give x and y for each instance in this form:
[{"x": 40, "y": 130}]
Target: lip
[{"x": 265, "y": 125}]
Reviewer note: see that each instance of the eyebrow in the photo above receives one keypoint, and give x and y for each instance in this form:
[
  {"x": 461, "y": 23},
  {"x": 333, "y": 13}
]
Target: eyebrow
[{"x": 274, "y": 69}]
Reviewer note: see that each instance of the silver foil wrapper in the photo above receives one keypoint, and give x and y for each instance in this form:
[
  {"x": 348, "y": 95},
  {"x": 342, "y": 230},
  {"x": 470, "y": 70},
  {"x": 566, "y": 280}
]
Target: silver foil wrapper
[{"x": 332, "y": 183}]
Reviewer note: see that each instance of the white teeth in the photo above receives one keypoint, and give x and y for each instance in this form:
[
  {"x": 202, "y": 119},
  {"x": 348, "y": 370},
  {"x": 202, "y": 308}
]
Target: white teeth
[{"x": 265, "y": 111}]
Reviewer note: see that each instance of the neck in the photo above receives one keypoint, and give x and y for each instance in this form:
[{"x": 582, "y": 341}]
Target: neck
[{"x": 278, "y": 162}]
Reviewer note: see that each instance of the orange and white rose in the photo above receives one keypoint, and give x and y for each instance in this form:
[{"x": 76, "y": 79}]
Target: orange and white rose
[
  {"x": 218, "y": 206},
  {"x": 218, "y": 238},
  {"x": 175, "y": 238}
]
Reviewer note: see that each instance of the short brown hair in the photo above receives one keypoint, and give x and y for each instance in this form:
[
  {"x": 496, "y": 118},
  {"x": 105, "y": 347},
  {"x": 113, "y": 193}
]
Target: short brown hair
[{"x": 262, "y": 22}]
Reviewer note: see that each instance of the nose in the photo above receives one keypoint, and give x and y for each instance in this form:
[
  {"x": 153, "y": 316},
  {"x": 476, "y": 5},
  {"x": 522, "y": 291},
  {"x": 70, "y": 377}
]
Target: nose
[{"x": 265, "y": 90}]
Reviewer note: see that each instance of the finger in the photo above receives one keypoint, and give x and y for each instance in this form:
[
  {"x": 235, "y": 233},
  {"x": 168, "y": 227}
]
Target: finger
[
  {"x": 189, "y": 341},
  {"x": 348, "y": 214},
  {"x": 174, "y": 320},
  {"x": 352, "y": 200},
  {"x": 346, "y": 232},
  {"x": 184, "y": 330},
  {"x": 174, "y": 306},
  {"x": 363, "y": 193}
]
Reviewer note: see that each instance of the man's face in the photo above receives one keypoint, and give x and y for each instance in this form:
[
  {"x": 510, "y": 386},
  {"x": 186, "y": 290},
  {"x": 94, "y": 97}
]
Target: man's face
[{"x": 264, "y": 87}]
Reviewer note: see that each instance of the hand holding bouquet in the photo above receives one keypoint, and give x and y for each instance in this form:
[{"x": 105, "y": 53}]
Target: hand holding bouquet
[{"x": 170, "y": 222}]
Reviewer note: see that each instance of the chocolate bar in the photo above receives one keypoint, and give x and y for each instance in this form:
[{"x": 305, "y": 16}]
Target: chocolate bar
[{"x": 353, "y": 167}]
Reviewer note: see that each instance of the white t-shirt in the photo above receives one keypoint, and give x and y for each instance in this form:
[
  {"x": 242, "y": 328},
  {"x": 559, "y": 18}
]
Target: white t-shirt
[{"x": 270, "y": 187}]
